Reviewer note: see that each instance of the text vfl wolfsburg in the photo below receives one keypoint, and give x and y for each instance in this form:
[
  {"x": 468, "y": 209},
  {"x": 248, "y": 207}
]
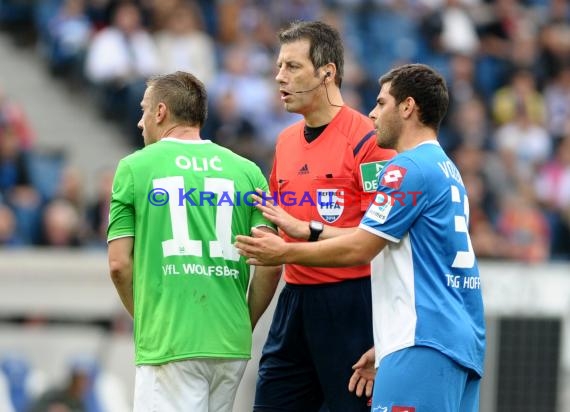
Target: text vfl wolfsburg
[{"x": 199, "y": 270}]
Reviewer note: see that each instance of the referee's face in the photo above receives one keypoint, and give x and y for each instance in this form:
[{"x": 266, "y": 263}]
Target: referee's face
[{"x": 299, "y": 82}]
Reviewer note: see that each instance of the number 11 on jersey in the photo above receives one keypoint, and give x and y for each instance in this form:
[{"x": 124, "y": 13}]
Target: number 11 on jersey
[{"x": 181, "y": 244}]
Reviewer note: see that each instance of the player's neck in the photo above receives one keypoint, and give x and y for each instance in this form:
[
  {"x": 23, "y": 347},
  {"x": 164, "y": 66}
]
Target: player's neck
[
  {"x": 182, "y": 132},
  {"x": 414, "y": 137}
]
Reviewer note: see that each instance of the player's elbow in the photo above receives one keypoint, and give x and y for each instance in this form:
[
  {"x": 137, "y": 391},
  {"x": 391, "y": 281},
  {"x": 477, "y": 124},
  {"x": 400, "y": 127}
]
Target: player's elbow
[
  {"x": 358, "y": 259},
  {"x": 361, "y": 247},
  {"x": 358, "y": 256},
  {"x": 348, "y": 258},
  {"x": 120, "y": 270}
]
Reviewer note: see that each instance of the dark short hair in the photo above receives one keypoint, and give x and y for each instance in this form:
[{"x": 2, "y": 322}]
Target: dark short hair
[
  {"x": 184, "y": 95},
  {"x": 325, "y": 44},
  {"x": 425, "y": 86}
]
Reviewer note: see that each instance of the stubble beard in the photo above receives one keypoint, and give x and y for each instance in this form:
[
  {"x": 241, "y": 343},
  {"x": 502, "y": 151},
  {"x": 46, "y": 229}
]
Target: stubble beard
[{"x": 387, "y": 139}]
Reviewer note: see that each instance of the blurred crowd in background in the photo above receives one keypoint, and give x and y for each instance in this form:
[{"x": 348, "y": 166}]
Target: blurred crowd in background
[{"x": 507, "y": 64}]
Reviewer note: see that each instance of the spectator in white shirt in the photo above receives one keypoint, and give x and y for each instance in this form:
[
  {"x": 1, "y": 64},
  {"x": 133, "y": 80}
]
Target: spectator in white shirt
[
  {"x": 119, "y": 60},
  {"x": 183, "y": 45}
]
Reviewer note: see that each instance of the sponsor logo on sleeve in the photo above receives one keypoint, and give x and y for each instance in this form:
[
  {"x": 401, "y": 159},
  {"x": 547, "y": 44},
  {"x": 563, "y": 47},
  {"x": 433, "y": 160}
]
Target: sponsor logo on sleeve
[
  {"x": 369, "y": 173},
  {"x": 379, "y": 210},
  {"x": 394, "y": 176}
]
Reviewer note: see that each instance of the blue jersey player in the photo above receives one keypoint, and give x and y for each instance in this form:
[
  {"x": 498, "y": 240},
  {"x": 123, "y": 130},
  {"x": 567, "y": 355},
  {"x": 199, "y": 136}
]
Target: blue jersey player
[{"x": 429, "y": 329}]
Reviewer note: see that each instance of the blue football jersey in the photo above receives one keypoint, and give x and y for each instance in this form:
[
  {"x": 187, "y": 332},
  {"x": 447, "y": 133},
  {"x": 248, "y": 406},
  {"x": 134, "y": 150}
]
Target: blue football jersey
[{"x": 425, "y": 283}]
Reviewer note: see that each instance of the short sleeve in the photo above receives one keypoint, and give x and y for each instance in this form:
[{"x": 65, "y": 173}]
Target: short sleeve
[
  {"x": 122, "y": 210},
  {"x": 399, "y": 200}
]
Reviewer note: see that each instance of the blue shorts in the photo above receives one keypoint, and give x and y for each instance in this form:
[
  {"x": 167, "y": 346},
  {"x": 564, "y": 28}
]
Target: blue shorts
[
  {"x": 422, "y": 379},
  {"x": 318, "y": 332}
]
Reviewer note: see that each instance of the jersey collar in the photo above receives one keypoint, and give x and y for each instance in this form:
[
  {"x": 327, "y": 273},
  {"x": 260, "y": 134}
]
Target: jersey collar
[
  {"x": 434, "y": 142},
  {"x": 174, "y": 139}
]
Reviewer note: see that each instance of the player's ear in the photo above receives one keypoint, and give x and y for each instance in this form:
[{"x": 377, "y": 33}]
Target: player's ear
[
  {"x": 407, "y": 107},
  {"x": 161, "y": 111}
]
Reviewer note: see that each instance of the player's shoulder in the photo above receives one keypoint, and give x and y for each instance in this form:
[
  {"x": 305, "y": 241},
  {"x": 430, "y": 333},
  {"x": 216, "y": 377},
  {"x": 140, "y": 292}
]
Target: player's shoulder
[
  {"x": 233, "y": 156},
  {"x": 427, "y": 154},
  {"x": 424, "y": 159},
  {"x": 238, "y": 162},
  {"x": 408, "y": 161},
  {"x": 133, "y": 157},
  {"x": 144, "y": 157},
  {"x": 402, "y": 173}
]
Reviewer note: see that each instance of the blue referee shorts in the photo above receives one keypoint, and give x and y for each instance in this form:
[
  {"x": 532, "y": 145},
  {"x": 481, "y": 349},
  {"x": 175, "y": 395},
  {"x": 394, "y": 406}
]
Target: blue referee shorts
[
  {"x": 422, "y": 379},
  {"x": 318, "y": 332}
]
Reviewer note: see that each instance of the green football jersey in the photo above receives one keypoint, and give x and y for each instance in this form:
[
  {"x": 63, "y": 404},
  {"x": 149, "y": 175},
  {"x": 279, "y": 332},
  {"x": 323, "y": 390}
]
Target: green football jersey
[{"x": 184, "y": 202}]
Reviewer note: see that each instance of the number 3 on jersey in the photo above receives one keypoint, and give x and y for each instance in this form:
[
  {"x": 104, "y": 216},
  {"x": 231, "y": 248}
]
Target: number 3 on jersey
[
  {"x": 464, "y": 259},
  {"x": 181, "y": 244}
]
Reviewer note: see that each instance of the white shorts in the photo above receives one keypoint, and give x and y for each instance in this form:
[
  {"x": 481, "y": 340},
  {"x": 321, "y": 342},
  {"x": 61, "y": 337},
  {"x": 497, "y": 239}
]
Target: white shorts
[{"x": 196, "y": 385}]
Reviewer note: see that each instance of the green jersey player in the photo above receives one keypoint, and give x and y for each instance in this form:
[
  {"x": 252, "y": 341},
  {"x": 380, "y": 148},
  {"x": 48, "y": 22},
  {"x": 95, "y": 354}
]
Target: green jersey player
[{"x": 176, "y": 208}]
